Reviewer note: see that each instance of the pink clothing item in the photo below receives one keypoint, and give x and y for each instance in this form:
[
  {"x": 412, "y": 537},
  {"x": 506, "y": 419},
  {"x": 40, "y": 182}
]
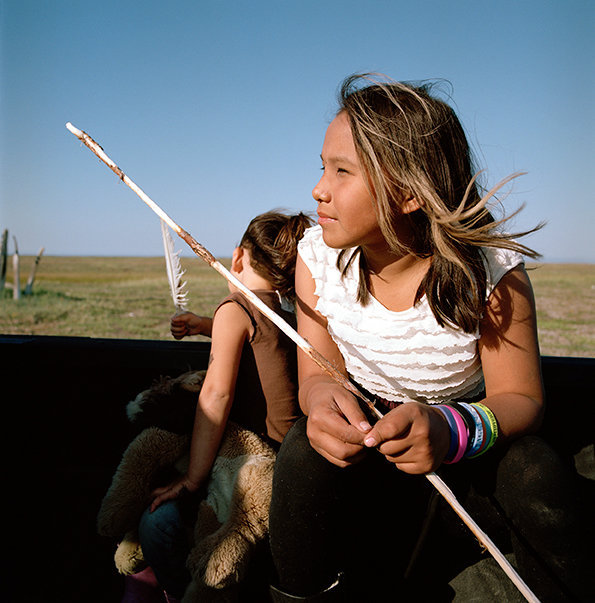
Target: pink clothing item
[{"x": 142, "y": 587}]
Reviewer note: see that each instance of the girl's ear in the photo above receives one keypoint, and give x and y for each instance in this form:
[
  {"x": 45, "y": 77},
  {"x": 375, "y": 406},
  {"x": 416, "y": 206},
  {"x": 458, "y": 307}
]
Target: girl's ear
[
  {"x": 237, "y": 263},
  {"x": 409, "y": 205}
]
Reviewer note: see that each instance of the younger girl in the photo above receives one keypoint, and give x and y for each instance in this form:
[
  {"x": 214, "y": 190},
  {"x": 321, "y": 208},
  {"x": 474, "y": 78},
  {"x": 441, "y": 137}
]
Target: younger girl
[
  {"x": 251, "y": 379},
  {"x": 409, "y": 286}
]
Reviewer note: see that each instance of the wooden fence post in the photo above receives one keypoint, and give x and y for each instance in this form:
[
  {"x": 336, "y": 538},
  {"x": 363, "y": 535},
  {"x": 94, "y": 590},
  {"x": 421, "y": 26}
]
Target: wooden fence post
[
  {"x": 29, "y": 285},
  {"x": 16, "y": 287},
  {"x": 4, "y": 247}
]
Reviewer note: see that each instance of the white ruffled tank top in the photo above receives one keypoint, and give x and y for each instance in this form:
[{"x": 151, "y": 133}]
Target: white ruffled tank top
[{"x": 399, "y": 356}]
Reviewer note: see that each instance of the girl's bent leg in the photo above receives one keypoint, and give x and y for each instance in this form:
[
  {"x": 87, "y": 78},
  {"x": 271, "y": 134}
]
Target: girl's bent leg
[
  {"x": 326, "y": 521},
  {"x": 528, "y": 497},
  {"x": 302, "y": 515},
  {"x": 164, "y": 541},
  {"x": 552, "y": 534}
]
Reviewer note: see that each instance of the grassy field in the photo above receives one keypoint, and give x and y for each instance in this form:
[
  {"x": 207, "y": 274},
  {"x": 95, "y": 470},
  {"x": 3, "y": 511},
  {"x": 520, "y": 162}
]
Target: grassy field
[{"x": 129, "y": 298}]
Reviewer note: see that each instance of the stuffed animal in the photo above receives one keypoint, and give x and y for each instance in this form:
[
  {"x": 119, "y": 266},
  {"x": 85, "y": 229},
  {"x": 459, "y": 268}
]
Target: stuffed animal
[{"x": 231, "y": 519}]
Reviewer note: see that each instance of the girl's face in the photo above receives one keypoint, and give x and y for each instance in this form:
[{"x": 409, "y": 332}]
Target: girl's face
[{"x": 345, "y": 206}]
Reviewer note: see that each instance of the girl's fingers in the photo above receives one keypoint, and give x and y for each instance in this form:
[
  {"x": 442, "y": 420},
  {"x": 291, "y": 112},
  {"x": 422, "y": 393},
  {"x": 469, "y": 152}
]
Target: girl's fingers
[
  {"x": 356, "y": 417},
  {"x": 167, "y": 493},
  {"x": 341, "y": 461},
  {"x": 413, "y": 437},
  {"x": 157, "y": 502},
  {"x": 159, "y": 491},
  {"x": 350, "y": 410},
  {"x": 392, "y": 426},
  {"x": 336, "y": 421},
  {"x": 336, "y": 451},
  {"x": 334, "y": 437}
]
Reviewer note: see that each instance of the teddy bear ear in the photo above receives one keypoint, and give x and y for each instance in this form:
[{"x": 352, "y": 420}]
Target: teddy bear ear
[{"x": 192, "y": 380}]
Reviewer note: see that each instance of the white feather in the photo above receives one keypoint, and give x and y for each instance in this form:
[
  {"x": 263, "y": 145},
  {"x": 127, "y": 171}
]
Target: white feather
[{"x": 174, "y": 269}]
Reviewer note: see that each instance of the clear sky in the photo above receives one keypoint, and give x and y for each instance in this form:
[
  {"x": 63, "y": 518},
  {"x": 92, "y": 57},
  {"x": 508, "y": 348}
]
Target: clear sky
[{"x": 217, "y": 109}]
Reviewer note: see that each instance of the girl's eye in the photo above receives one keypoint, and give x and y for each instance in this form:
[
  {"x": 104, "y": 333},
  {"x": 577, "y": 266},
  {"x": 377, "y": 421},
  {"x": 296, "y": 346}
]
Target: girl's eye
[{"x": 338, "y": 170}]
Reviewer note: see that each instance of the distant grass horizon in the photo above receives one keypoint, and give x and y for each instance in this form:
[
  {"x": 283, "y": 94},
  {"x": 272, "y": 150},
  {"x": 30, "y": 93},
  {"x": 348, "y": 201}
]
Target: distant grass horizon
[
  {"x": 128, "y": 297},
  {"x": 190, "y": 257}
]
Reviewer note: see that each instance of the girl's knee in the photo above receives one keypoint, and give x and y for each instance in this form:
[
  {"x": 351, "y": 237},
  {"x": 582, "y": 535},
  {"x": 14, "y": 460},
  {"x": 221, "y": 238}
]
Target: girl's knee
[
  {"x": 301, "y": 474},
  {"x": 297, "y": 460},
  {"x": 160, "y": 526},
  {"x": 295, "y": 450},
  {"x": 536, "y": 481},
  {"x": 530, "y": 461}
]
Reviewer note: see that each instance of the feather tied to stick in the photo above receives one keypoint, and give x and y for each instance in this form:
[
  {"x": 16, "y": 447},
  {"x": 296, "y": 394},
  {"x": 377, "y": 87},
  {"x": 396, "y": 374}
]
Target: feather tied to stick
[{"x": 174, "y": 270}]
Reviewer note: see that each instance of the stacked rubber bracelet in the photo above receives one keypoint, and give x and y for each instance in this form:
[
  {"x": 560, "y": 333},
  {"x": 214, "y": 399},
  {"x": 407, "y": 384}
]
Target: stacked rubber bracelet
[
  {"x": 491, "y": 426},
  {"x": 478, "y": 440},
  {"x": 473, "y": 429},
  {"x": 454, "y": 438},
  {"x": 460, "y": 431}
]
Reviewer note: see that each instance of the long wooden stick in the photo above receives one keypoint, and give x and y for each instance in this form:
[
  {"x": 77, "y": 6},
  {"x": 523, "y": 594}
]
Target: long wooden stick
[
  {"x": 320, "y": 360},
  {"x": 219, "y": 267}
]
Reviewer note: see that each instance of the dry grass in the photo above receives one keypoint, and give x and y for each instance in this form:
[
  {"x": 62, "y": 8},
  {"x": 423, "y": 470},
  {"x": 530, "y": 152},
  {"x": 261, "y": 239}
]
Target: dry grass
[
  {"x": 129, "y": 298},
  {"x": 565, "y": 296},
  {"x": 107, "y": 297}
]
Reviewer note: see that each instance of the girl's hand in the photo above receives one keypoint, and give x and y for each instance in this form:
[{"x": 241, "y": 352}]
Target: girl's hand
[
  {"x": 336, "y": 424},
  {"x": 413, "y": 436},
  {"x": 172, "y": 491},
  {"x": 189, "y": 323}
]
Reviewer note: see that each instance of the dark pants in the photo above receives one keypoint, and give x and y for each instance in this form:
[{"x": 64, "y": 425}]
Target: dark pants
[
  {"x": 365, "y": 521},
  {"x": 164, "y": 539}
]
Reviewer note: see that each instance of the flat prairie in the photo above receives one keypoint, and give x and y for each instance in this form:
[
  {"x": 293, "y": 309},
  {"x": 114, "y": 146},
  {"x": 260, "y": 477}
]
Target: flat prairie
[
  {"x": 128, "y": 297},
  {"x": 565, "y": 301}
]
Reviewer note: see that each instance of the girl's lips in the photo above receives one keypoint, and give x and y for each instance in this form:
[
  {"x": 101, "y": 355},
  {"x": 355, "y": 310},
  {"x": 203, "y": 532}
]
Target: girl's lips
[{"x": 322, "y": 219}]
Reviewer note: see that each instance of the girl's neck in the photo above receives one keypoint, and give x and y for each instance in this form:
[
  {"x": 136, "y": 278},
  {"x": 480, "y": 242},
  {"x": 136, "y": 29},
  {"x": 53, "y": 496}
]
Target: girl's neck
[
  {"x": 241, "y": 268},
  {"x": 254, "y": 281},
  {"x": 386, "y": 264},
  {"x": 395, "y": 280}
]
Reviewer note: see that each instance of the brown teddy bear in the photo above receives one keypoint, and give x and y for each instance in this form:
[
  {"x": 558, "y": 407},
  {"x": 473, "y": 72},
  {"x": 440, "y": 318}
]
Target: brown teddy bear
[{"x": 231, "y": 519}]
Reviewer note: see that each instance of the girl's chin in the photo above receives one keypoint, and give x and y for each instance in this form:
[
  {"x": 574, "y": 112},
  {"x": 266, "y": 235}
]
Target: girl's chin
[{"x": 334, "y": 241}]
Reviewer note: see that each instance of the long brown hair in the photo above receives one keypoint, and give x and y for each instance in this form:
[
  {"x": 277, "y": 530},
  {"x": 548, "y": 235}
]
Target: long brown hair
[
  {"x": 411, "y": 143},
  {"x": 272, "y": 240}
]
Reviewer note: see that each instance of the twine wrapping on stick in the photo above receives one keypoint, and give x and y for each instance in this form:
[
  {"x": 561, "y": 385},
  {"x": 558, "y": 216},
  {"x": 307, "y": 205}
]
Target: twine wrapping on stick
[{"x": 312, "y": 353}]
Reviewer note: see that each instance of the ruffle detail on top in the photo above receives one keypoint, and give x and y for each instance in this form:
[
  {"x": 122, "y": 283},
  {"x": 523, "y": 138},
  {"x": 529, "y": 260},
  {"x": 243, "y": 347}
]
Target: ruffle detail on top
[
  {"x": 498, "y": 262},
  {"x": 400, "y": 356}
]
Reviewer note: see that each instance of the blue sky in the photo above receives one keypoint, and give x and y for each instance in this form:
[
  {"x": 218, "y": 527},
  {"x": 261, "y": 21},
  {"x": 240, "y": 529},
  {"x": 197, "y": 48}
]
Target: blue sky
[{"x": 218, "y": 109}]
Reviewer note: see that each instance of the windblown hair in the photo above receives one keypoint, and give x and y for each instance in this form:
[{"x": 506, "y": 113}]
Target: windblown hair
[
  {"x": 272, "y": 239},
  {"x": 412, "y": 144}
]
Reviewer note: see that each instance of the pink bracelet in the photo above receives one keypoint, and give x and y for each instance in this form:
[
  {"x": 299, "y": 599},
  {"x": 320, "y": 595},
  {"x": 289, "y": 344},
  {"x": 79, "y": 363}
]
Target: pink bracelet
[{"x": 462, "y": 433}]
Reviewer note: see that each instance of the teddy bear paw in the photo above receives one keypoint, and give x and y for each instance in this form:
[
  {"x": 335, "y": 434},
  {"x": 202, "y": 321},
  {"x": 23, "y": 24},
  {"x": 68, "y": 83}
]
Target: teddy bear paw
[
  {"x": 220, "y": 563},
  {"x": 129, "y": 557}
]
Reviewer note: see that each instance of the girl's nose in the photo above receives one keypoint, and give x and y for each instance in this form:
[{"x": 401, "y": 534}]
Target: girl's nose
[{"x": 320, "y": 193}]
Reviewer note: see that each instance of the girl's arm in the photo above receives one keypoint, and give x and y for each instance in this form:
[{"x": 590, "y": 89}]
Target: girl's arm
[
  {"x": 510, "y": 356},
  {"x": 231, "y": 327},
  {"x": 415, "y": 436},
  {"x": 336, "y": 423},
  {"x": 188, "y": 323}
]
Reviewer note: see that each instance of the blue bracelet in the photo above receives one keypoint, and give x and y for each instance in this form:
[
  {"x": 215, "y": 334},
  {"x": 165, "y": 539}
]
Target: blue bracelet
[
  {"x": 468, "y": 420},
  {"x": 479, "y": 436},
  {"x": 454, "y": 432},
  {"x": 490, "y": 419}
]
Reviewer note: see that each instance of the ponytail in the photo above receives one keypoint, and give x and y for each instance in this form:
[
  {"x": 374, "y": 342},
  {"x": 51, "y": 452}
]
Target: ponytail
[{"x": 272, "y": 239}]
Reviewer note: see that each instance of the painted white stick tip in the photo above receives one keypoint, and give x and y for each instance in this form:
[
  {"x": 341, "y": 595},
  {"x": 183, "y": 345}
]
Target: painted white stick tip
[{"x": 74, "y": 130}]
